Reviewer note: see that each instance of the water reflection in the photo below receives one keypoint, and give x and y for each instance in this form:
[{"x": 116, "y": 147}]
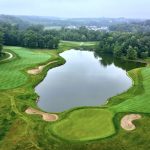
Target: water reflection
[
  {"x": 107, "y": 59},
  {"x": 85, "y": 80}
]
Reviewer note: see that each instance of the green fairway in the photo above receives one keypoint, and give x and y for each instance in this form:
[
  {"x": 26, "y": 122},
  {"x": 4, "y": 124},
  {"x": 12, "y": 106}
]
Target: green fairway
[
  {"x": 138, "y": 101},
  {"x": 85, "y": 124},
  {"x": 11, "y": 74},
  {"x": 79, "y": 43}
]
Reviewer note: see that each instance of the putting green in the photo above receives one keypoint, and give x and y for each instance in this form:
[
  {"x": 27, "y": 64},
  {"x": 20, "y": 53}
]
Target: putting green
[{"x": 85, "y": 124}]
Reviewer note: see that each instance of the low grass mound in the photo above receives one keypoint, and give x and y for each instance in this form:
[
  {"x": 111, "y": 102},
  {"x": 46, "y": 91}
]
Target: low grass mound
[
  {"x": 85, "y": 124},
  {"x": 11, "y": 73}
]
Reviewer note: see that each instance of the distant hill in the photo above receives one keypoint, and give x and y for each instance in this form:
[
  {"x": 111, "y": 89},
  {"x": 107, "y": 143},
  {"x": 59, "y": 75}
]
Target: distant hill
[
  {"x": 24, "y": 21},
  {"x": 14, "y": 21},
  {"x": 54, "y": 21},
  {"x": 143, "y": 26}
]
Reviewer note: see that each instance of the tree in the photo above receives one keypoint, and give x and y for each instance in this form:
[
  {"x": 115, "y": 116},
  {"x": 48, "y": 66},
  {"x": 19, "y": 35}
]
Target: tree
[
  {"x": 33, "y": 37},
  {"x": 55, "y": 42},
  {"x": 125, "y": 45},
  {"x": 131, "y": 53},
  {"x": 144, "y": 54},
  {"x": 117, "y": 51},
  {"x": 1, "y": 43},
  {"x": 30, "y": 39},
  {"x": 83, "y": 38}
]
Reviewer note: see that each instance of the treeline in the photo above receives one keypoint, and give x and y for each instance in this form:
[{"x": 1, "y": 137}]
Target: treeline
[
  {"x": 32, "y": 37},
  {"x": 82, "y": 34},
  {"x": 142, "y": 27},
  {"x": 1, "y": 43},
  {"x": 36, "y": 37},
  {"x": 125, "y": 45}
]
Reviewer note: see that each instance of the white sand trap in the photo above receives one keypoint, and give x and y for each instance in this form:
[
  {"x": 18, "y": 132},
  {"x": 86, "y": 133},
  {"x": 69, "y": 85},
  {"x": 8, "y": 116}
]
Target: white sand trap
[
  {"x": 45, "y": 116},
  {"x": 126, "y": 121},
  {"x": 39, "y": 69}
]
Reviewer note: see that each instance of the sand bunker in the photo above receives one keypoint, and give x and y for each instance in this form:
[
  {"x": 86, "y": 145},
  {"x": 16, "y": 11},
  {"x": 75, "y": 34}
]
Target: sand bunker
[
  {"x": 45, "y": 116},
  {"x": 39, "y": 69},
  {"x": 126, "y": 121}
]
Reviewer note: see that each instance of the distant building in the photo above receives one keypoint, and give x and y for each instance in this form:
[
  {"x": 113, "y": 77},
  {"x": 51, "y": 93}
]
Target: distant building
[
  {"x": 72, "y": 27},
  {"x": 94, "y": 28}
]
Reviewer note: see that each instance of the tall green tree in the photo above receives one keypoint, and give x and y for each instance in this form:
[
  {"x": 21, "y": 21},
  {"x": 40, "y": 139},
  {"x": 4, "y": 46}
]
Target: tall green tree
[
  {"x": 30, "y": 39},
  {"x": 131, "y": 53},
  {"x": 125, "y": 45},
  {"x": 1, "y": 43},
  {"x": 33, "y": 37}
]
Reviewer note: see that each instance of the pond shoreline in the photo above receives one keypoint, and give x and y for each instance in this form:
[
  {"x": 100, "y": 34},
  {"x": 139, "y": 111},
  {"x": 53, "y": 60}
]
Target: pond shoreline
[{"x": 106, "y": 100}]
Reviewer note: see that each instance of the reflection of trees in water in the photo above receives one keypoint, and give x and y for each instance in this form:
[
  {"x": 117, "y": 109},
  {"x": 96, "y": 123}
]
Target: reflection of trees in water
[{"x": 108, "y": 59}]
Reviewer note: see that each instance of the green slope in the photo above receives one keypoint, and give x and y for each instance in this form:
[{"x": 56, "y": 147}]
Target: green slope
[{"x": 11, "y": 74}]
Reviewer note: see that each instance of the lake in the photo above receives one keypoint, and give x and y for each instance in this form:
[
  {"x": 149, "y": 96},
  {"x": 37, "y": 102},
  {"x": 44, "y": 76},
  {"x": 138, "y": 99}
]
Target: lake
[{"x": 86, "y": 79}]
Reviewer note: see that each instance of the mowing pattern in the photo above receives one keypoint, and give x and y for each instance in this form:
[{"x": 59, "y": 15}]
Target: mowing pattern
[
  {"x": 85, "y": 124},
  {"x": 11, "y": 73},
  {"x": 139, "y": 101}
]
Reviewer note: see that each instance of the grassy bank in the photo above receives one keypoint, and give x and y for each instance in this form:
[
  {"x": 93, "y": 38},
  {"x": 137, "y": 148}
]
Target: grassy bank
[{"x": 79, "y": 129}]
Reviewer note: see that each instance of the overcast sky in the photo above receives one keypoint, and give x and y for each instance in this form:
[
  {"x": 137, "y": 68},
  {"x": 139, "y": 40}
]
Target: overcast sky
[{"x": 77, "y": 8}]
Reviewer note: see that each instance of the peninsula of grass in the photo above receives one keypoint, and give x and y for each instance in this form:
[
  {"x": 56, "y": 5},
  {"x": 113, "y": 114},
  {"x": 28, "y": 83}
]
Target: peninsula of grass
[{"x": 83, "y": 128}]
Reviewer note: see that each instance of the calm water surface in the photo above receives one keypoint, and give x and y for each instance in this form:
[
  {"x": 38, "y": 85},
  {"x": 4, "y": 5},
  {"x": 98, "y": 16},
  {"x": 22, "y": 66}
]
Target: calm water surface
[{"x": 85, "y": 80}]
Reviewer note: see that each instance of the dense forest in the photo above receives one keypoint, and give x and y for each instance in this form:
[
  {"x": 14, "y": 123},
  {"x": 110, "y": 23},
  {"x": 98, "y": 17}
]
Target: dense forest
[
  {"x": 136, "y": 27},
  {"x": 32, "y": 37},
  {"x": 128, "y": 40},
  {"x": 36, "y": 37},
  {"x": 125, "y": 45},
  {"x": 82, "y": 34},
  {"x": 1, "y": 42}
]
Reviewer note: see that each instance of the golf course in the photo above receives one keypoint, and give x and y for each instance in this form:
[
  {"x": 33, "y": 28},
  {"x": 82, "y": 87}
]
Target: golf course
[{"x": 120, "y": 124}]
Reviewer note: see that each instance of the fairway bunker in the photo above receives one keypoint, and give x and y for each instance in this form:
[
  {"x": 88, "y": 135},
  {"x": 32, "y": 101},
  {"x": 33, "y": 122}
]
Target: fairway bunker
[
  {"x": 45, "y": 116},
  {"x": 39, "y": 69},
  {"x": 127, "y": 121}
]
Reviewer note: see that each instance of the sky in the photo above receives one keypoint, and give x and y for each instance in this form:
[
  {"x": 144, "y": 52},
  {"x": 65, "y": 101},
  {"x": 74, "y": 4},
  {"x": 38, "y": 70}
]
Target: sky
[{"x": 78, "y": 8}]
